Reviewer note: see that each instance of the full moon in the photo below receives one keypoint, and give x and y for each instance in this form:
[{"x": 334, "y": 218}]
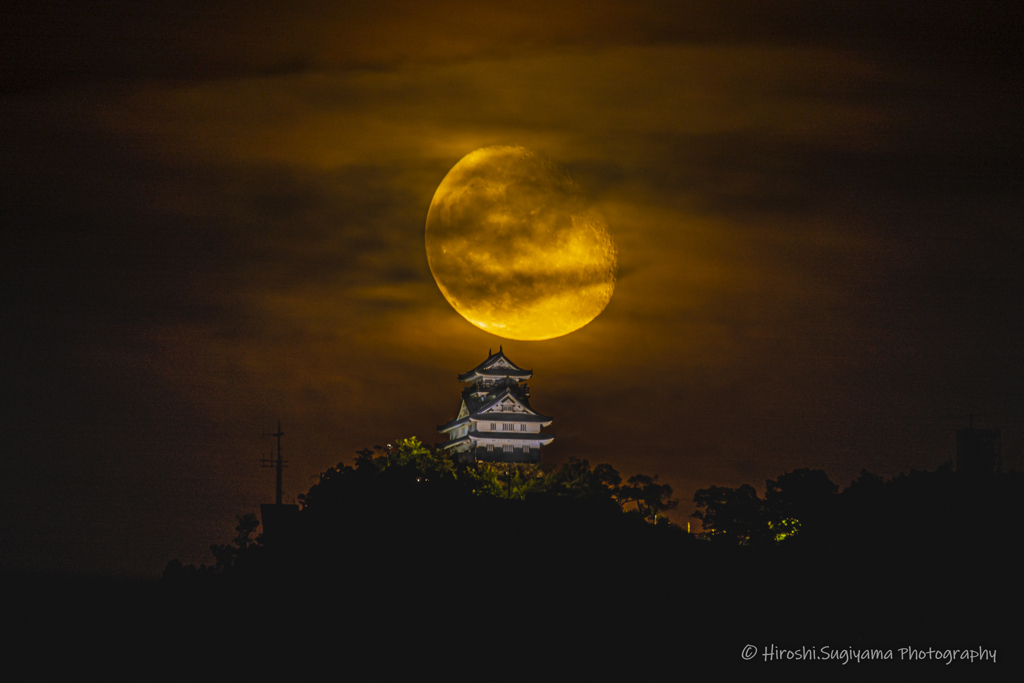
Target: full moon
[{"x": 516, "y": 248}]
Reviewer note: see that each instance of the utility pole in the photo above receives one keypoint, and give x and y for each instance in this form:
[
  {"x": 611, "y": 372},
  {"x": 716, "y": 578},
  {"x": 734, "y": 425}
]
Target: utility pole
[{"x": 277, "y": 463}]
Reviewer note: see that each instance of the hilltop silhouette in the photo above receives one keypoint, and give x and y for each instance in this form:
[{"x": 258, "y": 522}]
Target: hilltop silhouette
[
  {"x": 406, "y": 561},
  {"x": 409, "y": 505},
  {"x": 477, "y": 556}
]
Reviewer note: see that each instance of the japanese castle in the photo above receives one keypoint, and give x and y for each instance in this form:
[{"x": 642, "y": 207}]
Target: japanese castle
[{"x": 495, "y": 422}]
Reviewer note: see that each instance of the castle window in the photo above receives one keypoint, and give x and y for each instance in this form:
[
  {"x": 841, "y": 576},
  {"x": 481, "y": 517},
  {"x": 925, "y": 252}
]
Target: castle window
[
  {"x": 490, "y": 447},
  {"x": 522, "y": 427},
  {"x": 507, "y": 448}
]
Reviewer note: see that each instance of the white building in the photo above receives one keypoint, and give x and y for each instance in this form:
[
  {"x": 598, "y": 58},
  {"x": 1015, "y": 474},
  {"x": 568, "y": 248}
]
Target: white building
[{"x": 495, "y": 421}]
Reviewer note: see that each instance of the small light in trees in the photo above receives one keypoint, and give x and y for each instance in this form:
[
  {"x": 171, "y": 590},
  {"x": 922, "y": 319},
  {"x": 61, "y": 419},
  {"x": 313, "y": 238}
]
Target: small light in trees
[{"x": 784, "y": 529}]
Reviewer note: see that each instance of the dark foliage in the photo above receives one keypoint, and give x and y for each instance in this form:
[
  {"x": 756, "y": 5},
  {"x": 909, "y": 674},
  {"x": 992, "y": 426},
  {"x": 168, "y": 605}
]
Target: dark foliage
[
  {"x": 405, "y": 559},
  {"x": 731, "y": 515}
]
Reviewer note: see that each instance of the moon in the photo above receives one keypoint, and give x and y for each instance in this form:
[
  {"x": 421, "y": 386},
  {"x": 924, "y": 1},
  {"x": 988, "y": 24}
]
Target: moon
[{"x": 516, "y": 248}]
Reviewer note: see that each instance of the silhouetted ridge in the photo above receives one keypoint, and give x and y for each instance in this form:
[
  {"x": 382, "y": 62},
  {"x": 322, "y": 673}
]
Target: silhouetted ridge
[{"x": 406, "y": 546}]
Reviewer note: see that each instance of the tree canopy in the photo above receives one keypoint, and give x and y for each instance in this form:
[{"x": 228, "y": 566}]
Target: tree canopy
[
  {"x": 408, "y": 460},
  {"x": 412, "y": 496},
  {"x": 737, "y": 514},
  {"x": 795, "y": 505}
]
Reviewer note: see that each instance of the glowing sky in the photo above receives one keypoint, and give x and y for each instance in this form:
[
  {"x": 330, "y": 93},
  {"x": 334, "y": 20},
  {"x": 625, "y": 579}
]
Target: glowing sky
[{"x": 214, "y": 218}]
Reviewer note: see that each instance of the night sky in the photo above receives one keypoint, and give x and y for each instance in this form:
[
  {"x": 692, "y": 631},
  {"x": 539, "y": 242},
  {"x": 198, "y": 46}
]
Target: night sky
[{"x": 213, "y": 218}]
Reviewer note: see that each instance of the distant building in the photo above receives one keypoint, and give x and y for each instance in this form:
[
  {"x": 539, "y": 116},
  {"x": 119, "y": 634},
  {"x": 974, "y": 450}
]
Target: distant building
[
  {"x": 977, "y": 450},
  {"x": 495, "y": 421}
]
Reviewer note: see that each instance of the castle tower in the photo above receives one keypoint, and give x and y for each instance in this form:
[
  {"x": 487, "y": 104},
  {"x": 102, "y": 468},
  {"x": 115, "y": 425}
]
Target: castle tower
[{"x": 495, "y": 421}]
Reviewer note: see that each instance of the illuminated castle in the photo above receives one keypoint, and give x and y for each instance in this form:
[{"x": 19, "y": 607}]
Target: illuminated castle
[{"x": 495, "y": 422}]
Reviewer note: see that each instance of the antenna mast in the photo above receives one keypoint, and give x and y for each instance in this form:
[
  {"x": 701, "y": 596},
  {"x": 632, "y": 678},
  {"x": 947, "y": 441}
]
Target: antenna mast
[{"x": 277, "y": 463}]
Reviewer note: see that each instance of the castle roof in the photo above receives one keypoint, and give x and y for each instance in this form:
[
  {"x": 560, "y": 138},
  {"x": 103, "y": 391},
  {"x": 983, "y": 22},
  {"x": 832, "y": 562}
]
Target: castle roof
[
  {"x": 497, "y": 365},
  {"x": 485, "y": 410},
  {"x": 509, "y": 394},
  {"x": 495, "y": 417},
  {"x": 531, "y": 437}
]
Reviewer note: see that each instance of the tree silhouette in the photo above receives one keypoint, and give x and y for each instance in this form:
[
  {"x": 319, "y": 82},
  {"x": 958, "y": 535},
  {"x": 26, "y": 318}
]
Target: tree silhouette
[
  {"x": 227, "y": 555},
  {"x": 403, "y": 539},
  {"x": 576, "y": 478},
  {"x": 731, "y": 514},
  {"x": 798, "y": 503},
  {"x": 650, "y": 497}
]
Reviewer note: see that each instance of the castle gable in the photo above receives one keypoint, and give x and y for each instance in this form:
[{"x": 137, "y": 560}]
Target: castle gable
[
  {"x": 506, "y": 403},
  {"x": 502, "y": 363},
  {"x": 496, "y": 366}
]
